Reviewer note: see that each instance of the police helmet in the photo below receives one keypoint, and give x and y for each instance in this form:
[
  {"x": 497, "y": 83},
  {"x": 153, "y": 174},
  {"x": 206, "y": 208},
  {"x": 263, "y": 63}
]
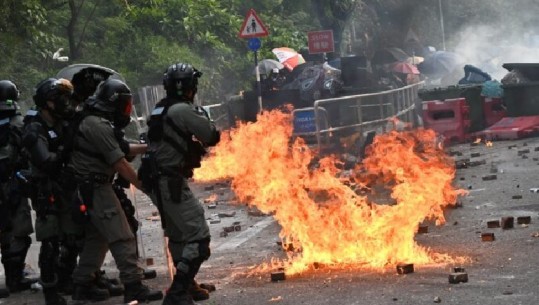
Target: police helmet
[
  {"x": 113, "y": 97},
  {"x": 9, "y": 94},
  {"x": 181, "y": 80},
  {"x": 58, "y": 91}
]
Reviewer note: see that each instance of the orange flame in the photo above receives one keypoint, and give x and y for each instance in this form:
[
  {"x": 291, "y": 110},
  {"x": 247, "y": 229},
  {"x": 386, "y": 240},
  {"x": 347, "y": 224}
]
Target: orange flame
[
  {"x": 321, "y": 210},
  {"x": 477, "y": 141}
]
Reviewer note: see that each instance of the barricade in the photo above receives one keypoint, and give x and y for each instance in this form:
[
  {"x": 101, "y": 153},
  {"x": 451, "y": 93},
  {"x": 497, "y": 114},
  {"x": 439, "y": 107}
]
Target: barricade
[
  {"x": 493, "y": 110},
  {"x": 450, "y": 118}
]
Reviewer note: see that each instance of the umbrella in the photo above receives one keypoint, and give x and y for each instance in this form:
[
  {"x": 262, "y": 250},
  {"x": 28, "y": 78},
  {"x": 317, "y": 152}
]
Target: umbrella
[
  {"x": 70, "y": 72},
  {"x": 404, "y": 68},
  {"x": 288, "y": 57},
  {"x": 415, "y": 60},
  {"x": 267, "y": 65},
  {"x": 440, "y": 63},
  {"x": 389, "y": 55}
]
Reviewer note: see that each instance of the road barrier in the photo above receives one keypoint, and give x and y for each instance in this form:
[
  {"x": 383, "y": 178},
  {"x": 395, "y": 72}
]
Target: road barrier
[{"x": 343, "y": 116}]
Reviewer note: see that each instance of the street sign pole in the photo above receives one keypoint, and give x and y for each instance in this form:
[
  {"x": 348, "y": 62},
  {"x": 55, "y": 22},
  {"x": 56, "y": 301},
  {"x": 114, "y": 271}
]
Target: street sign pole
[
  {"x": 253, "y": 28},
  {"x": 258, "y": 83}
]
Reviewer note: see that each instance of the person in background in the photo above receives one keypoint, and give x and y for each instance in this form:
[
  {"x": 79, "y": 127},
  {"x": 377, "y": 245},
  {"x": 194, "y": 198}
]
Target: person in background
[
  {"x": 15, "y": 219},
  {"x": 43, "y": 142}
]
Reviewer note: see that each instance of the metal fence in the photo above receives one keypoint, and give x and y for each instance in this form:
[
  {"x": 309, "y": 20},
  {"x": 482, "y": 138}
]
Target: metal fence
[{"x": 347, "y": 115}]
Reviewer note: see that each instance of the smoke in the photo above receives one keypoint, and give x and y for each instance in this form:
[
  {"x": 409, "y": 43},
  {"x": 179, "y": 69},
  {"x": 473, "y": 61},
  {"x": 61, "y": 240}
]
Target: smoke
[
  {"x": 487, "y": 47},
  {"x": 499, "y": 32}
]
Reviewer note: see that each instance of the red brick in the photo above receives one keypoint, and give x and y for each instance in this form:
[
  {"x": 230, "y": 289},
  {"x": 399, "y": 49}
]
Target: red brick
[
  {"x": 488, "y": 237},
  {"x": 524, "y": 220},
  {"x": 508, "y": 223},
  {"x": 278, "y": 276},
  {"x": 493, "y": 224},
  {"x": 405, "y": 268}
]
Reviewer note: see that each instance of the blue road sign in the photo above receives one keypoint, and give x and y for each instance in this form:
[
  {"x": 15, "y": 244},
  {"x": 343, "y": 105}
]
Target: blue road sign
[{"x": 254, "y": 44}]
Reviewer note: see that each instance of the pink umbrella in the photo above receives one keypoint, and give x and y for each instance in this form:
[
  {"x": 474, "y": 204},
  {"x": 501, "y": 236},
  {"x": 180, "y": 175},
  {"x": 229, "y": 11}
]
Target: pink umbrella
[
  {"x": 288, "y": 57},
  {"x": 404, "y": 68}
]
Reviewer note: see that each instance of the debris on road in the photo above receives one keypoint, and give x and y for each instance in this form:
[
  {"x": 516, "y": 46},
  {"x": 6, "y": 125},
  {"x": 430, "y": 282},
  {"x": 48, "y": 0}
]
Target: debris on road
[
  {"x": 508, "y": 223},
  {"x": 517, "y": 197},
  {"x": 458, "y": 277},
  {"x": 278, "y": 276},
  {"x": 487, "y": 237},
  {"x": 423, "y": 230},
  {"x": 405, "y": 268},
  {"x": 437, "y": 300},
  {"x": 524, "y": 220},
  {"x": 493, "y": 224},
  {"x": 490, "y": 177}
]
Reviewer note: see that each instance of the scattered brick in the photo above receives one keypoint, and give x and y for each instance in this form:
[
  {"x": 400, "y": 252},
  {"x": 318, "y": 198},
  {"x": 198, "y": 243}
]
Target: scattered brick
[
  {"x": 536, "y": 149},
  {"x": 278, "y": 276},
  {"x": 212, "y": 206},
  {"x": 458, "y": 277},
  {"x": 462, "y": 178},
  {"x": 517, "y": 197},
  {"x": 423, "y": 230},
  {"x": 490, "y": 177},
  {"x": 524, "y": 151},
  {"x": 511, "y": 146},
  {"x": 493, "y": 224},
  {"x": 458, "y": 269},
  {"x": 237, "y": 228},
  {"x": 524, "y": 220},
  {"x": 155, "y": 213},
  {"x": 149, "y": 261},
  {"x": 488, "y": 237},
  {"x": 405, "y": 268},
  {"x": 477, "y": 163},
  {"x": 475, "y": 155},
  {"x": 317, "y": 265},
  {"x": 215, "y": 221},
  {"x": 525, "y": 157},
  {"x": 461, "y": 164},
  {"x": 209, "y": 188},
  {"x": 228, "y": 229},
  {"x": 223, "y": 234},
  {"x": 507, "y": 223}
]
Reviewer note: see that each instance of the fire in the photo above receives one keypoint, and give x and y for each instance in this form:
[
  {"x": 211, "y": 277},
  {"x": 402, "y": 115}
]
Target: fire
[
  {"x": 323, "y": 213},
  {"x": 477, "y": 141},
  {"x": 489, "y": 144}
]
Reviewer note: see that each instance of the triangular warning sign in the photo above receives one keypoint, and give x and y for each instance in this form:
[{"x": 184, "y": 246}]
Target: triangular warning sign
[{"x": 252, "y": 26}]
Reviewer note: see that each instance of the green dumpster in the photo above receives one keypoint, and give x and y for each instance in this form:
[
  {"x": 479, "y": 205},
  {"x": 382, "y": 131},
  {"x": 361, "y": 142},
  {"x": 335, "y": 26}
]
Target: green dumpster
[
  {"x": 472, "y": 94},
  {"x": 521, "y": 99}
]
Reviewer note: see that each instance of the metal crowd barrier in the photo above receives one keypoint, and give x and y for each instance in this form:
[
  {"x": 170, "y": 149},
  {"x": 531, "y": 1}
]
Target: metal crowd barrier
[{"x": 361, "y": 113}]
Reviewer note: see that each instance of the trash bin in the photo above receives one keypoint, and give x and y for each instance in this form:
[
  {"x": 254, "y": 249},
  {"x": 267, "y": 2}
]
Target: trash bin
[
  {"x": 472, "y": 94},
  {"x": 521, "y": 99}
]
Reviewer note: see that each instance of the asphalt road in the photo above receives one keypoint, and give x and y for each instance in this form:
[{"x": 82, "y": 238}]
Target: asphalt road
[{"x": 500, "y": 272}]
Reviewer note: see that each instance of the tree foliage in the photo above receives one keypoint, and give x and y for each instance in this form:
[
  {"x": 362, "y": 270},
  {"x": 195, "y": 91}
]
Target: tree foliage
[{"x": 140, "y": 38}]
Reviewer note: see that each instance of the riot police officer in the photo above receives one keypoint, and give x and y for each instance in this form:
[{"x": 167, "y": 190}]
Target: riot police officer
[
  {"x": 174, "y": 122},
  {"x": 97, "y": 155},
  {"x": 43, "y": 141},
  {"x": 15, "y": 219}
]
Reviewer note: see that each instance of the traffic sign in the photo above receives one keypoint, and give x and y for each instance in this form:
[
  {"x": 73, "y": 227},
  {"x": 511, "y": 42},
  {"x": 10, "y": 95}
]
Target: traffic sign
[
  {"x": 252, "y": 26},
  {"x": 254, "y": 44},
  {"x": 321, "y": 42}
]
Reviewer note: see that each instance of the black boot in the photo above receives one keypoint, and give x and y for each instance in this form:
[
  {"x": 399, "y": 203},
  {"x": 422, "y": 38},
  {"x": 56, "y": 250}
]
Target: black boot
[
  {"x": 112, "y": 285},
  {"x": 178, "y": 294},
  {"x": 89, "y": 292},
  {"x": 198, "y": 293},
  {"x": 138, "y": 292},
  {"x": 15, "y": 281},
  {"x": 52, "y": 297}
]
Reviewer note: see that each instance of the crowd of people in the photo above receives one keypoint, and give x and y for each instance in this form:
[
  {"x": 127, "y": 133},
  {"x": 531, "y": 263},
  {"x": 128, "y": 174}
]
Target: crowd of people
[{"x": 69, "y": 161}]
